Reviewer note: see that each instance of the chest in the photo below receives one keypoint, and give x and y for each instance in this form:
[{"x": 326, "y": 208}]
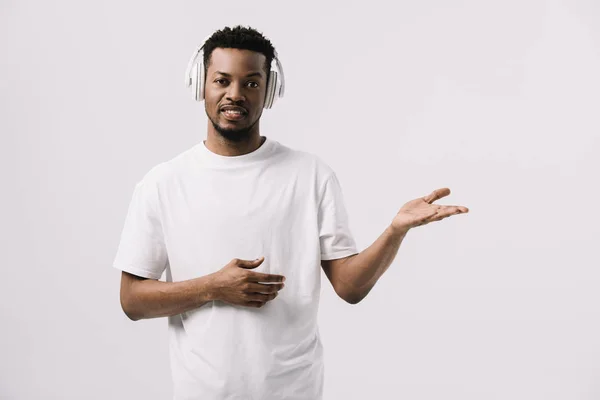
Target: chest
[{"x": 212, "y": 219}]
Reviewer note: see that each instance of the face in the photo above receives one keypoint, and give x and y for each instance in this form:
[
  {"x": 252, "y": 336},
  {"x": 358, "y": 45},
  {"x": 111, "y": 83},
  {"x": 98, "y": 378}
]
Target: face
[{"x": 235, "y": 91}]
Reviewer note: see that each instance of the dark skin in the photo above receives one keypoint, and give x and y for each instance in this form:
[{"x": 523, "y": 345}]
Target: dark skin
[
  {"x": 235, "y": 284},
  {"x": 353, "y": 277},
  {"x": 235, "y": 78},
  {"x": 238, "y": 78}
]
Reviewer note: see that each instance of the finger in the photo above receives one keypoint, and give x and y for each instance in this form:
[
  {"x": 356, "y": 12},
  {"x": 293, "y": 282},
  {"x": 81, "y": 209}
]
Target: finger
[
  {"x": 444, "y": 212},
  {"x": 259, "y": 277},
  {"x": 262, "y": 288},
  {"x": 436, "y": 195},
  {"x": 250, "y": 263},
  {"x": 451, "y": 210},
  {"x": 436, "y": 215},
  {"x": 255, "y": 304},
  {"x": 261, "y": 297}
]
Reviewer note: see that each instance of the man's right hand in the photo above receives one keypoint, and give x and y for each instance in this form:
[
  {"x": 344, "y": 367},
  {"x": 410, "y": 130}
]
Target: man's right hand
[{"x": 235, "y": 284}]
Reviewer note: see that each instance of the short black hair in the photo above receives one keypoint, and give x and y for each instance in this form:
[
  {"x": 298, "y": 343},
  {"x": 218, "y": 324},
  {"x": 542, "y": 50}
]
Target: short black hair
[{"x": 239, "y": 37}]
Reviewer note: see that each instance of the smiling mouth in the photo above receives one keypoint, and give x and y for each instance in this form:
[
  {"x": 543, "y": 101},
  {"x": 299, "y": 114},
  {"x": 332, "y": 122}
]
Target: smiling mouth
[{"x": 233, "y": 115}]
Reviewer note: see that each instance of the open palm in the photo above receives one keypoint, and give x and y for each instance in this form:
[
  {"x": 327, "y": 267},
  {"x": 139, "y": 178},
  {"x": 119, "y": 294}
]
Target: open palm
[{"x": 422, "y": 211}]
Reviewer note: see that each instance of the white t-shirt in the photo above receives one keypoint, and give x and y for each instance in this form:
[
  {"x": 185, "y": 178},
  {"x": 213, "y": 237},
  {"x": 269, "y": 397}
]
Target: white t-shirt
[{"x": 192, "y": 215}]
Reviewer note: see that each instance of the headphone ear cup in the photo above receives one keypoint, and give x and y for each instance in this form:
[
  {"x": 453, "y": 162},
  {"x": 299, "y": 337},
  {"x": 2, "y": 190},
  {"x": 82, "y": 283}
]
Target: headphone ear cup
[
  {"x": 276, "y": 88},
  {"x": 200, "y": 95},
  {"x": 197, "y": 79},
  {"x": 193, "y": 81},
  {"x": 196, "y": 82},
  {"x": 271, "y": 89}
]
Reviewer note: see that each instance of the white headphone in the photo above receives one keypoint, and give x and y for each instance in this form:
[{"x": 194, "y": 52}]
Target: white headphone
[{"x": 194, "y": 77}]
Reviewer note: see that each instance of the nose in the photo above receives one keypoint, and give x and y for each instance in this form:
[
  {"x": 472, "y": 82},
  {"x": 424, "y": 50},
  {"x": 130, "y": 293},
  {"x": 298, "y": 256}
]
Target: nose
[{"x": 235, "y": 93}]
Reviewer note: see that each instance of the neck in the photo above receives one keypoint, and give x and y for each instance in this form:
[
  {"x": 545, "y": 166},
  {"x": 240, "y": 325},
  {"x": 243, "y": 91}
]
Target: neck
[{"x": 219, "y": 144}]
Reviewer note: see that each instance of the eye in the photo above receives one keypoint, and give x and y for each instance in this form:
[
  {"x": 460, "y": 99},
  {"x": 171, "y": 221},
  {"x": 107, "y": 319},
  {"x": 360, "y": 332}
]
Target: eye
[
  {"x": 221, "y": 81},
  {"x": 253, "y": 85}
]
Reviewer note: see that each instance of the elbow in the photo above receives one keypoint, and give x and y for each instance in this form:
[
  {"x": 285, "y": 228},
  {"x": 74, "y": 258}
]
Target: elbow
[
  {"x": 129, "y": 296},
  {"x": 351, "y": 297},
  {"x": 132, "y": 316},
  {"x": 129, "y": 310}
]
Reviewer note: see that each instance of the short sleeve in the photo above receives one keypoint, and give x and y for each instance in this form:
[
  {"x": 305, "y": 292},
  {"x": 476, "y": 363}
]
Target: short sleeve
[
  {"x": 334, "y": 231},
  {"x": 142, "y": 249}
]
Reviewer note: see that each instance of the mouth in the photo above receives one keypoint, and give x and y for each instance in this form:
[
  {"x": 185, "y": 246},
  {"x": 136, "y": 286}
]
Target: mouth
[{"x": 233, "y": 113}]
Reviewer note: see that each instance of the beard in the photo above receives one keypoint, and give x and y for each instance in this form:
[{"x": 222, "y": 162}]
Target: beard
[{"x": 235, "y": 135}]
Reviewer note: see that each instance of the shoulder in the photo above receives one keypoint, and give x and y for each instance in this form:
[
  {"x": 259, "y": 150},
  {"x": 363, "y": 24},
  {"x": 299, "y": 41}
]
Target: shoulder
[
  {"x": 163, "y": 173},
  {"x": 309, "y": 161}
]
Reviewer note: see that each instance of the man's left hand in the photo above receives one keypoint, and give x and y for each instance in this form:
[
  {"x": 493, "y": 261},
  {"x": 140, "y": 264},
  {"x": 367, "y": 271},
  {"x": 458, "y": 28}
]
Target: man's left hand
[{"x": 422, "y": 211}]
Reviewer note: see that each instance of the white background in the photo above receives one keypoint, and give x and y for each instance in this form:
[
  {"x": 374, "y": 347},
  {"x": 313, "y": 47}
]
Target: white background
[{"x": 499, "y": 101}]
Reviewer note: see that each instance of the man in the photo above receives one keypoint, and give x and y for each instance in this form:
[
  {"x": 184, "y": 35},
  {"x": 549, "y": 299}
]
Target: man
[{"x": 242, "y": 225}]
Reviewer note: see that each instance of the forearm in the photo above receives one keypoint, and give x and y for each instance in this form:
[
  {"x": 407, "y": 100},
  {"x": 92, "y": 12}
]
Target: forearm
[
  {"x": 151, "y": 298},
  {"x": 362, "y": 271}
]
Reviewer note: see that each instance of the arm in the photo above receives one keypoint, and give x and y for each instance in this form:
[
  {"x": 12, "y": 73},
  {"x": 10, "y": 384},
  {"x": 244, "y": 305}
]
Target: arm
[
  {"x": 143, "y": 248},
  {"x": 234, "y": 284},
  {"x": 150, "y": 298},
  {"x": 353, "y": 277}
]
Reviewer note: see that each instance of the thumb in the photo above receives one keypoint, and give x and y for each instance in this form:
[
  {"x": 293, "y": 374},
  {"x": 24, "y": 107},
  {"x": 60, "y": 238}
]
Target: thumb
[{"x": 249, "y": 264}]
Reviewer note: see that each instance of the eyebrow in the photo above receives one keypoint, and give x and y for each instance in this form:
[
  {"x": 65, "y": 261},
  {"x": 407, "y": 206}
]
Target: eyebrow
[{"x": 247, "y": 76}]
